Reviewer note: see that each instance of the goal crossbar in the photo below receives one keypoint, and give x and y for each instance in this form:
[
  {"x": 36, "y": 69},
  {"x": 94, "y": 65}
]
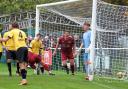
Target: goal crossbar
[{"x": 56, "y": 3}]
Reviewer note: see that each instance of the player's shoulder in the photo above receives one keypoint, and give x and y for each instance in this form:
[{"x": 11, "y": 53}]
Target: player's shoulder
[
  {"x": 71, "y": 36},
  {"x": 6, "y": 33},
  {"x": 61, "y": 37},
  {"x": 22, "y": 31},
  {"x": 89, "y": 31},
  {"x": 13, "y": 31},
  {"x": 33, "y": 41}
]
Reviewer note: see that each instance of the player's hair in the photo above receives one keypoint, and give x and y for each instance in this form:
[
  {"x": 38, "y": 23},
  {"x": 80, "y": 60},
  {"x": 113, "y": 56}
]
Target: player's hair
[
  {"x": 66, "y": 31},
  {"x": 38, "y": 34},
  {"x": 87, "y": 24},
  {"x": 15, "y": 25}
]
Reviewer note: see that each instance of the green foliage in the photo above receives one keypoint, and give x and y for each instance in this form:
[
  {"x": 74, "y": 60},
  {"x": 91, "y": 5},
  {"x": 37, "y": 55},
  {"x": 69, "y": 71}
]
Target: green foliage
[{"x": 10, "y": 6}]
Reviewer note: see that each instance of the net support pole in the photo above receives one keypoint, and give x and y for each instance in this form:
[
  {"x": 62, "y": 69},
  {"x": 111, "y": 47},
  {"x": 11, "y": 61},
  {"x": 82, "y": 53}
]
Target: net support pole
[
  {"x": 37, "y": 21},
  {"x": 93, "y": 34}
]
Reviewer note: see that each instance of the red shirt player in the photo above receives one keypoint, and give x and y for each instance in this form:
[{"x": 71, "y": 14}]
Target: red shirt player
[
  {"x": 35, "y": 59},
  {"x": 67, "y": 44}
]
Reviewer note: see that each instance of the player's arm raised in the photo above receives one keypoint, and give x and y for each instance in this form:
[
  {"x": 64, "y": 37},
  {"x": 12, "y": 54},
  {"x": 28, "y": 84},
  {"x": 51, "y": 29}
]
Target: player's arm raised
[
  {"x": 74, "y": 48},
  {"x": 57, "y": 45},
  {"x": 79, "y": 50},
  {"x": 4, "y": 39}
]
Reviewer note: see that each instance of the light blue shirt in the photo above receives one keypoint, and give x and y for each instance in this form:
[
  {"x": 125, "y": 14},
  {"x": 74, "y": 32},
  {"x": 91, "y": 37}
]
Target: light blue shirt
[{"x": 87, "y": 39}]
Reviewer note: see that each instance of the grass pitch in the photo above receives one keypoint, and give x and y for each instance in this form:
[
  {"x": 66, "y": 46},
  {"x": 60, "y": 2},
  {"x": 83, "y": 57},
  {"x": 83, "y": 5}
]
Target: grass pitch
[{"x": 59, "y": 81}]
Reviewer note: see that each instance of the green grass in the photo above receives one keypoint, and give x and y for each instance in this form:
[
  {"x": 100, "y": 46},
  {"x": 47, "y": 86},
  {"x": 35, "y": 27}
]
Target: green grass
[{"x": 59, "y": 81}]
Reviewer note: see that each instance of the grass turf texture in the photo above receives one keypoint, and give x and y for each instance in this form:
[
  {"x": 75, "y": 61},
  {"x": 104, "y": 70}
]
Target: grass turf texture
[{"x": 59, "y": 81}]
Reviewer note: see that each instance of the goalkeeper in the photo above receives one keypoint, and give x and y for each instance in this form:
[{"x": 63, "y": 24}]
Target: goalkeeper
[{"x": 86, "y": 43}]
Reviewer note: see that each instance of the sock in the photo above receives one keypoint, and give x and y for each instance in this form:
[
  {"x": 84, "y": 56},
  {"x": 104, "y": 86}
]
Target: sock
[
  {"x": 72, "y": 69},
  {"x": 18, "y": 68},
  {"x": 66, "y": 68},
  {"x": 23, "y": 73},
  {"x": 42, "y": 69},
  {"x": 9, "y": 68},
  {"x": 87, "y": 69}
]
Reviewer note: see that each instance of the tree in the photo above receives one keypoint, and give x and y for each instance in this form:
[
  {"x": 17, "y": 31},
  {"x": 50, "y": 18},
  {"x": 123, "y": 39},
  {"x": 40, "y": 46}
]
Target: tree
[{"x": 11, "y": 6}]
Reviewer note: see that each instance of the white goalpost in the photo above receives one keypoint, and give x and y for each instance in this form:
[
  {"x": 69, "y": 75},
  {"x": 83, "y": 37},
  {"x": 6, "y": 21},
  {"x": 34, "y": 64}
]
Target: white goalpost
[
  {"x": 111, "y": 40},
  {"x": 109, "y": 29},
  {"x": 45, "y": 5},
  {"x": 54, "y": 18}
]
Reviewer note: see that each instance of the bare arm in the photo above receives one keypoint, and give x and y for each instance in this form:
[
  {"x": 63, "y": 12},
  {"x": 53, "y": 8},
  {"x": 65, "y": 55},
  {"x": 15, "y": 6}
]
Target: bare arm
[
  {"x": 4, "y": 39},
  {"x": 81, "y": 46},
  {"x": 74, "y": 48},
  {"x": 57, "y": 45}
]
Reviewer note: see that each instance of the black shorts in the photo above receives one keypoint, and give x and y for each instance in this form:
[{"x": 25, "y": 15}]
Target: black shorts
[
  {"x": 0, "y": 54},
  {"x": 10, "y": 54},
  {"x": 22, "y": 54}
]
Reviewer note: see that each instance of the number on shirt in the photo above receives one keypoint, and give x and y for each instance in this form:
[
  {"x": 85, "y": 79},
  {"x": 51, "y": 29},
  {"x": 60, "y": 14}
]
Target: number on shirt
[{"x": 20, "y": 35}]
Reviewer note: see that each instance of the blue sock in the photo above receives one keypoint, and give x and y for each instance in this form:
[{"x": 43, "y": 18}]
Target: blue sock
[{"x": 23, "y": 73}]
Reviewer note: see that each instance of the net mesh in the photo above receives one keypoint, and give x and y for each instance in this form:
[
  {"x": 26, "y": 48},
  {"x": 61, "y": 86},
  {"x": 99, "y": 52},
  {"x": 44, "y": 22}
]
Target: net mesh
[
  {"x": 111, "y": 39},
  {"x": 111, "y": 33},
  {"x": 54, "y": 20}
]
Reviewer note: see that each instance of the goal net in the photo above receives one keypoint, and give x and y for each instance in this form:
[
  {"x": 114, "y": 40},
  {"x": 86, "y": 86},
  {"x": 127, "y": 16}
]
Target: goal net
[
  {"x": 54, "y": 18},
  {"x": 111, "y": 40},
  {"x": 111, "y": 25}
]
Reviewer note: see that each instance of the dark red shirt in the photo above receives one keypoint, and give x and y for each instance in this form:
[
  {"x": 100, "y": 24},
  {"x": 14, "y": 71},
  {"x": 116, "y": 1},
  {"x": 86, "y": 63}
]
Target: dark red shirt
[
  {"x": 33, "y": 58},
  {"x": 66, "y": 44}
]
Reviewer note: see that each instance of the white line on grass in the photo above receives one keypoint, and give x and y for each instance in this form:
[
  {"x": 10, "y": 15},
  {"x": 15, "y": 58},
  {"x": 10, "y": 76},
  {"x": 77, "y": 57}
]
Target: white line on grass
[{"x": 105, "y": 86}]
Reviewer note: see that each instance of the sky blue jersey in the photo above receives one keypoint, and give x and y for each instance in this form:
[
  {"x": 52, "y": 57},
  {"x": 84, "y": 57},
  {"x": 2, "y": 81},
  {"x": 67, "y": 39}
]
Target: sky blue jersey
[{"x": 87, "y": 39}]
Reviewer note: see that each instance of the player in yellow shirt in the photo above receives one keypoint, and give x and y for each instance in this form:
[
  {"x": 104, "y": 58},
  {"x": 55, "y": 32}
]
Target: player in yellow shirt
[
  {"x": 1, "y": 49},
  {"x": 19, "y": 38},
  {"x": 35, "y": 55},
  {"x": 10, "y": 52},
  {"x": 36, "y": 47}
]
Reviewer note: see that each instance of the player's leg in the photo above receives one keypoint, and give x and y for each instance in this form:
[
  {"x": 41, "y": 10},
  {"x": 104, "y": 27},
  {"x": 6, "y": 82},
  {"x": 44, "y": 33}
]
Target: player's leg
[
  {"x": 23, "y": 72},
  {"x": 64, "y": 62},
  {"x": 47, "y": 68},
  {"x": 22, "y": 56},
  {"x": 44, "y": 66},
  {"x": 87, "y": 64},
  {"x": 42, "y": 69},
  {"x": 18, "y": 68},
  {"x": 13, "y": 54},
  {"x": 31, "y": 61},
  {"x": 71, "y": 59},
  {"x": 37, "y": 59},
  {"x": 0, "y": 54},
  {"x": 72, "y": 66},
  {"x": 9, "y": 58}
]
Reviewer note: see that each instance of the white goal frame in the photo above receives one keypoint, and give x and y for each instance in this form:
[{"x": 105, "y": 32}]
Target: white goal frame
[{"x": 93, "y": 24}]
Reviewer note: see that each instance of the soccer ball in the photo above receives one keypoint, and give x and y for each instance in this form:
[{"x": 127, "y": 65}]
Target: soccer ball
[
  {"x": 120, "y": 75},
  {"x": 90, "y": 78}
]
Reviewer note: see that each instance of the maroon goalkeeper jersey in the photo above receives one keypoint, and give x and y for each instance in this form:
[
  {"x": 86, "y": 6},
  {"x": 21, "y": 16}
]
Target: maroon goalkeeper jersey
[{"x": 66, "y": 44}]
